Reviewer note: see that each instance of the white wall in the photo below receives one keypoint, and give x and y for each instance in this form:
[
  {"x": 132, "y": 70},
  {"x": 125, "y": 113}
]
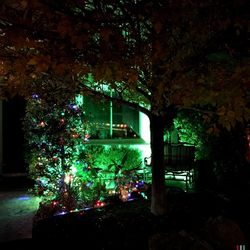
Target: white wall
[{"x": 144, "y": 127}]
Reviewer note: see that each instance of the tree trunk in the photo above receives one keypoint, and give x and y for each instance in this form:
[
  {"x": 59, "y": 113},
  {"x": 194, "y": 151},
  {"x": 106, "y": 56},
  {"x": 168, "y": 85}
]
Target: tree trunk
[{"x": 158, "y": 197}]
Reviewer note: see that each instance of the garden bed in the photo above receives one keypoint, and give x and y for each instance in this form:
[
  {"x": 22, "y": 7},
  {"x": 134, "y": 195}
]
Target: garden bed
[{"x": 189, "y": 224}]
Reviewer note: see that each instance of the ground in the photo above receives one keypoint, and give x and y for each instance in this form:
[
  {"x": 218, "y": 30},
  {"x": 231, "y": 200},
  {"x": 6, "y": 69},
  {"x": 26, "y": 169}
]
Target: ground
[{"x": 17, "y": 209}]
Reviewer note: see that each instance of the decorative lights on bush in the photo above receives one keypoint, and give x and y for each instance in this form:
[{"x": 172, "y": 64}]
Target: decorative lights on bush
[
  {"x": 68, "y": 178},
  {"x": 132, "y": 190},
  {"x": 65, "y": 174},
  {"x": 99, "y": 203},
  {"x": 42, "y": 124}
]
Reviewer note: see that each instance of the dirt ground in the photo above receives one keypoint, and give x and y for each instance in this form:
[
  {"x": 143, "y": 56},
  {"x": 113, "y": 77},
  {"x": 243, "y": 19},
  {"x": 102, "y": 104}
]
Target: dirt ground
[{"x": 17, "y": 208}]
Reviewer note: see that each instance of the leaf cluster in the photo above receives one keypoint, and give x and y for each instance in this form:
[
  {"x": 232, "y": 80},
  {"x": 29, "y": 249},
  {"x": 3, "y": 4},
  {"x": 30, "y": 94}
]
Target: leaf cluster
[{"x": 152, "y": 54}]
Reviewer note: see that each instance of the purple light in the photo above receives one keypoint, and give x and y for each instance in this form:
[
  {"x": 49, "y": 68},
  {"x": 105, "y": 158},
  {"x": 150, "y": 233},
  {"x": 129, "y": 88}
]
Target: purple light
[
  {"x": 24, "y": 198},
  {"x": 35, "y": 96}
]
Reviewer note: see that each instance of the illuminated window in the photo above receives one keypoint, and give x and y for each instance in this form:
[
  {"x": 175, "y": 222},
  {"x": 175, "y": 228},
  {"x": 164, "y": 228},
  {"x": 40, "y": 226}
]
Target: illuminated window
[{"x": 108, "y": 120}]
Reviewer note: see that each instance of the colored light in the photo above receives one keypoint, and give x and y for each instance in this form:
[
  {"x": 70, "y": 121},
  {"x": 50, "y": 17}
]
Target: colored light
[
  {"x": 24, "y": 198},
  {"x": 42, "y": 124}
]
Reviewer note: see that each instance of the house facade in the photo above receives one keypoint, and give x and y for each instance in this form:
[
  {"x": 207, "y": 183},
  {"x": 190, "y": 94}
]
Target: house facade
[
  {"x": 112, "y": 124},
  {"x": 109, "y": 125}
]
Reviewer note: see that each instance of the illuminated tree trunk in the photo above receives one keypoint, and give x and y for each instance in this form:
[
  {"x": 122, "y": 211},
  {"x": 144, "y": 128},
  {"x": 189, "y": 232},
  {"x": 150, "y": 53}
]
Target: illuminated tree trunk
[{"x": 158, "y": 198}]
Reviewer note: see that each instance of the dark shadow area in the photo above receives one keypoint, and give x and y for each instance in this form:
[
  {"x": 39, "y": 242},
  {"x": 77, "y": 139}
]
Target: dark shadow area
[
  {"x": 13, "y": 136},
  {"x": 12, "y": 183},
  {"x": 201, "y": 220}
]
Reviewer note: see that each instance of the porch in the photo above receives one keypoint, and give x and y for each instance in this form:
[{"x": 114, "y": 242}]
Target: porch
[{"x": 179, "y": 166}]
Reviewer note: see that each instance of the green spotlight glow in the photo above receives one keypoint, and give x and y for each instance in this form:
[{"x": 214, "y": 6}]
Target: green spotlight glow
[{"x": 144, "y": 127}]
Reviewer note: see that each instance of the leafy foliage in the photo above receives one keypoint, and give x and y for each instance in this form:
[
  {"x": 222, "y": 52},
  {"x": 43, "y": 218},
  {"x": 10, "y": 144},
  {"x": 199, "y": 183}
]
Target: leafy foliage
[
  {"x": 193, "y": 130},
  {"x": 55, "y": 134},
  {"x": 134, "y": 47},
  {"x": 70, "y": 174}
]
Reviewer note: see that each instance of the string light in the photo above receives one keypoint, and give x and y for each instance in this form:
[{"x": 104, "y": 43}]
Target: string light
[
  {"x": 42, "y": 124},
  {"x": 99, "y": 204}
]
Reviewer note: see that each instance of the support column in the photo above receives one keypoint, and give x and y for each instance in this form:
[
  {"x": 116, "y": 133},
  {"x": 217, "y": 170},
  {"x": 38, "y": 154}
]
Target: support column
[{"x": 111, "y": 117}]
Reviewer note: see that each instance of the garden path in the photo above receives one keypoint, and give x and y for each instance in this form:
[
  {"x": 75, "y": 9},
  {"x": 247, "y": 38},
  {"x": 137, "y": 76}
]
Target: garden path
[{"x": 17, "y": 209}]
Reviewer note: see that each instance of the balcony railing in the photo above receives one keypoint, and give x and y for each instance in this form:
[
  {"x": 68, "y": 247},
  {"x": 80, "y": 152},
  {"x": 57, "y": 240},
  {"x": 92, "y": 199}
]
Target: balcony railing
[{"x": 178, "y": 160}]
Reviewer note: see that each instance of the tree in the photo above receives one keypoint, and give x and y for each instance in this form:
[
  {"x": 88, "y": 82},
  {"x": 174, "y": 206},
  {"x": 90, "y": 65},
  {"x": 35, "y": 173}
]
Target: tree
[
  {"x": 156, "y": 56},
  {"x": 57, "y": 160}
]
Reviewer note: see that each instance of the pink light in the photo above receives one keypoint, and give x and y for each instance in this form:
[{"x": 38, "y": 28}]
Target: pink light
[{"x": 42, "y": 124}]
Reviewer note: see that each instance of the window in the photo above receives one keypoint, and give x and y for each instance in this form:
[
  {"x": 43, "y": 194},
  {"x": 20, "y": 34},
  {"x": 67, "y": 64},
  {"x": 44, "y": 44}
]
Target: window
[{"x": 108, "y": 120}]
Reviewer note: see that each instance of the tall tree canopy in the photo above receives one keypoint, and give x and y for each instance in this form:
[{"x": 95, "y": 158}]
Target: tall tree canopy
[{"x": 156, "y": 56}]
